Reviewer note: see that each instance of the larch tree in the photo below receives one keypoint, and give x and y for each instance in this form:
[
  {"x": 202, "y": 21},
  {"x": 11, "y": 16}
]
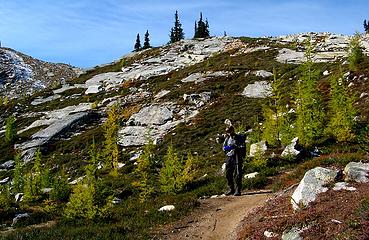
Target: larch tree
[
  {"x": 342, "y": 112},
  {"x": 111, "y": 150},
  {"x": 309, "y": 111}
]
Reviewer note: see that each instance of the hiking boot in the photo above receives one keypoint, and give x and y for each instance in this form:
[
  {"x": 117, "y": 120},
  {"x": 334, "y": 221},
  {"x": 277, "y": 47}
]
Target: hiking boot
[
  {"x": 237, "y": 193},
  {"x": 230, "y": 192}
]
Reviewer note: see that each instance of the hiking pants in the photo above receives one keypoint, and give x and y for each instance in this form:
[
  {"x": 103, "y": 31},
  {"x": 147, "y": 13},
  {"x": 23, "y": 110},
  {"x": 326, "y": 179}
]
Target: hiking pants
[{"x": 234, "y": 172}]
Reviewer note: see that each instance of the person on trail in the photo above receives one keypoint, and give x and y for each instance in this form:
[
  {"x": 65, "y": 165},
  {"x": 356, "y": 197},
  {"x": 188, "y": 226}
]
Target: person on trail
[{"x": 234, "y": 162}]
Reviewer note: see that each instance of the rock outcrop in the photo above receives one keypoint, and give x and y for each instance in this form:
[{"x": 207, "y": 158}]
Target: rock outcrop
[
  {"x": 21, "y": 74},
  {"x": 311, "y": 185},
  {"x": 260, "y": 89},
  {"x": 357, "y": 172}
]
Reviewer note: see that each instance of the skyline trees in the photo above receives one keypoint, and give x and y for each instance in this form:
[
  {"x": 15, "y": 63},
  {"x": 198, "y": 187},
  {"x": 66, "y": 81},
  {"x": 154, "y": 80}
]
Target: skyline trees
[{"x": 176, "y": 32}]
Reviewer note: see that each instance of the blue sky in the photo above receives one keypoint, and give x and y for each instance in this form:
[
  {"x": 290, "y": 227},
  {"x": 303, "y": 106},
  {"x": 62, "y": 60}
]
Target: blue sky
[{"x": 85, "y": 33}]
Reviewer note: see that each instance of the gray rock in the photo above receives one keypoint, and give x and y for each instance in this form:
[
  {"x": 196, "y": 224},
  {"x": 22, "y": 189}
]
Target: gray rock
[
  {"x": 251, "y": 175},
  {"x": 161, "y": 94},
  {"x": 198, "y": 100},
  {"x": 93, "y": 89},
  {"x": 7, "y": 165},
  {"x": 343, "y": 186},
  {"x": 290, "y": 150},
  {"x": 18, "y": 197},
  {"x": 59, "y": 124},
  {"x": 260, "y": 89},
  {"x": 260, "y": 146},
  {"x": 153, "y": 115},
  {"x": 263, "y": 74},
  {"x": 5, "y": 180},
  {"x": 116, "y": 200},
  {"x": 200, "y": 77},
  {"x": 293, "y": 234},
  {"x": 311, "y": 185},
  {"x": 39, "y": 101},
  {"x": 357, "y": 172},
  {"x": 20, "y": 217},
  {"x": 286, "y": 55}
]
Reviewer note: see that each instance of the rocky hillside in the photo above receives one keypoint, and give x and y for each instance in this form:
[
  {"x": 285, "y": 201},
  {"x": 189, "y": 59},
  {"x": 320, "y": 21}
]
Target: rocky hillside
[
  {"x": 179, "y": 95},
  {"x": 22, "y": 75}
]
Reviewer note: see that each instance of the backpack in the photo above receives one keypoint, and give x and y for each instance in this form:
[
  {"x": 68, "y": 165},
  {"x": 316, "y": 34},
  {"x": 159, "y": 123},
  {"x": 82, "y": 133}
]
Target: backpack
[{"x": 241, "y": 144}]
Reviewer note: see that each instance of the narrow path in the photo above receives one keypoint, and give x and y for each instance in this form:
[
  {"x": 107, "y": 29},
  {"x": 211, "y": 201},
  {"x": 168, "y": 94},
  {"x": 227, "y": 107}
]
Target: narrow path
[{"x": 216, "y": 218}]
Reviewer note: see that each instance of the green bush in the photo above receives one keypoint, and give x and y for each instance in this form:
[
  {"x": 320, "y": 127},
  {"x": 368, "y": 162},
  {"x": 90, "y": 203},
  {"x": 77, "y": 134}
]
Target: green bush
[
  {"x": 60, "y": 188},
  {"x": 81, "y": 202}
]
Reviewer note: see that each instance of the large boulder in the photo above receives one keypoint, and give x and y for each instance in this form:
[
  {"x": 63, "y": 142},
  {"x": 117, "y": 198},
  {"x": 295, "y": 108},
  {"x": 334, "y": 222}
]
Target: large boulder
[
  {"x": 152, "y": 115},
  {"x": 357, "y": 171},
  {"x": 311, "y": 185},
  {"x": 291, "y": 150},
  {"x": 198, "y": 99},
  {"x": 260, "y": 89}
]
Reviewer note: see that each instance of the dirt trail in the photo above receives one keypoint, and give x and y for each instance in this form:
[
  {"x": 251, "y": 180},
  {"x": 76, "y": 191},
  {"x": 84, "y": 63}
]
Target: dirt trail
[{"x": 216, "y": 218}]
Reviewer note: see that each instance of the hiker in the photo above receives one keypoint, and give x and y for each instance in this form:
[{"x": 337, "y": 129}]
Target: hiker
[{"x": 233, "y": 147}]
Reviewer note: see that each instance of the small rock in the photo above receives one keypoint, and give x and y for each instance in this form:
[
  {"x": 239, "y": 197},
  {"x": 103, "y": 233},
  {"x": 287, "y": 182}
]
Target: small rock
[
  {"x": 120, "y": 165},
  {"x": 326, "y": 73},
  {"x": 46, "y": 190},
  {"x": 167, "y": 208},
  {"x": 263, "y": 74},
  {"x": 116, "y": 200},
  {"x": 336, "y": 221},
  {"x": 290, "y": 150},
  {"x": 270, "y": 234},
  {"x": 363, "y": 95},
  {"x": 5, "y": 180},
  {"x": 343, "y": 186},
  {"x": 20, "y": 217},
  {"x": 18, "y": 197},
  {"x": 293, "y": 234},
  {"x": 7, "y": 165},
  {"x": 251, "y": 175},
  {"x": 357, "y": 171}
]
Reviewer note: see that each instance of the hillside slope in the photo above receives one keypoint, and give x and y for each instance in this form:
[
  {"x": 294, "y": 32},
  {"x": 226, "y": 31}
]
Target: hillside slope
[
  {"x": 177, "y": 95},
  {"x": 22, "y": 75}
]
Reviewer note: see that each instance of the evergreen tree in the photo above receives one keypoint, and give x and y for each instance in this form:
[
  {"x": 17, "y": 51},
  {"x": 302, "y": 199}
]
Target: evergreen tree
[
  {"x": 171, "y": 173},
  {"x": 147, "y": 41},
  {"x": 60, "y": 187},
  {"x": 6, "y": 199},
  {"x": 91, "y": 168},
  {"x": 201, "y": 28},
  {"x": 81, "y": 203},
  {"x": 277, "y": 124},
  {"x": 111, "y": 151},
  {"x": 18, "y": 174},
  {"x": 342, "y": 112},
  {"x": 189, "y": 170},
  {"x": 176, "y": 33},
  {"x": 355, "y": 52},
  {"x": 309, "y": 110},
  {"x": 138, "y": 43},
  {"x": 366, "y": 26},
  {"x": 33, "y": 180},
  {"x": 10, "y": 130}
]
